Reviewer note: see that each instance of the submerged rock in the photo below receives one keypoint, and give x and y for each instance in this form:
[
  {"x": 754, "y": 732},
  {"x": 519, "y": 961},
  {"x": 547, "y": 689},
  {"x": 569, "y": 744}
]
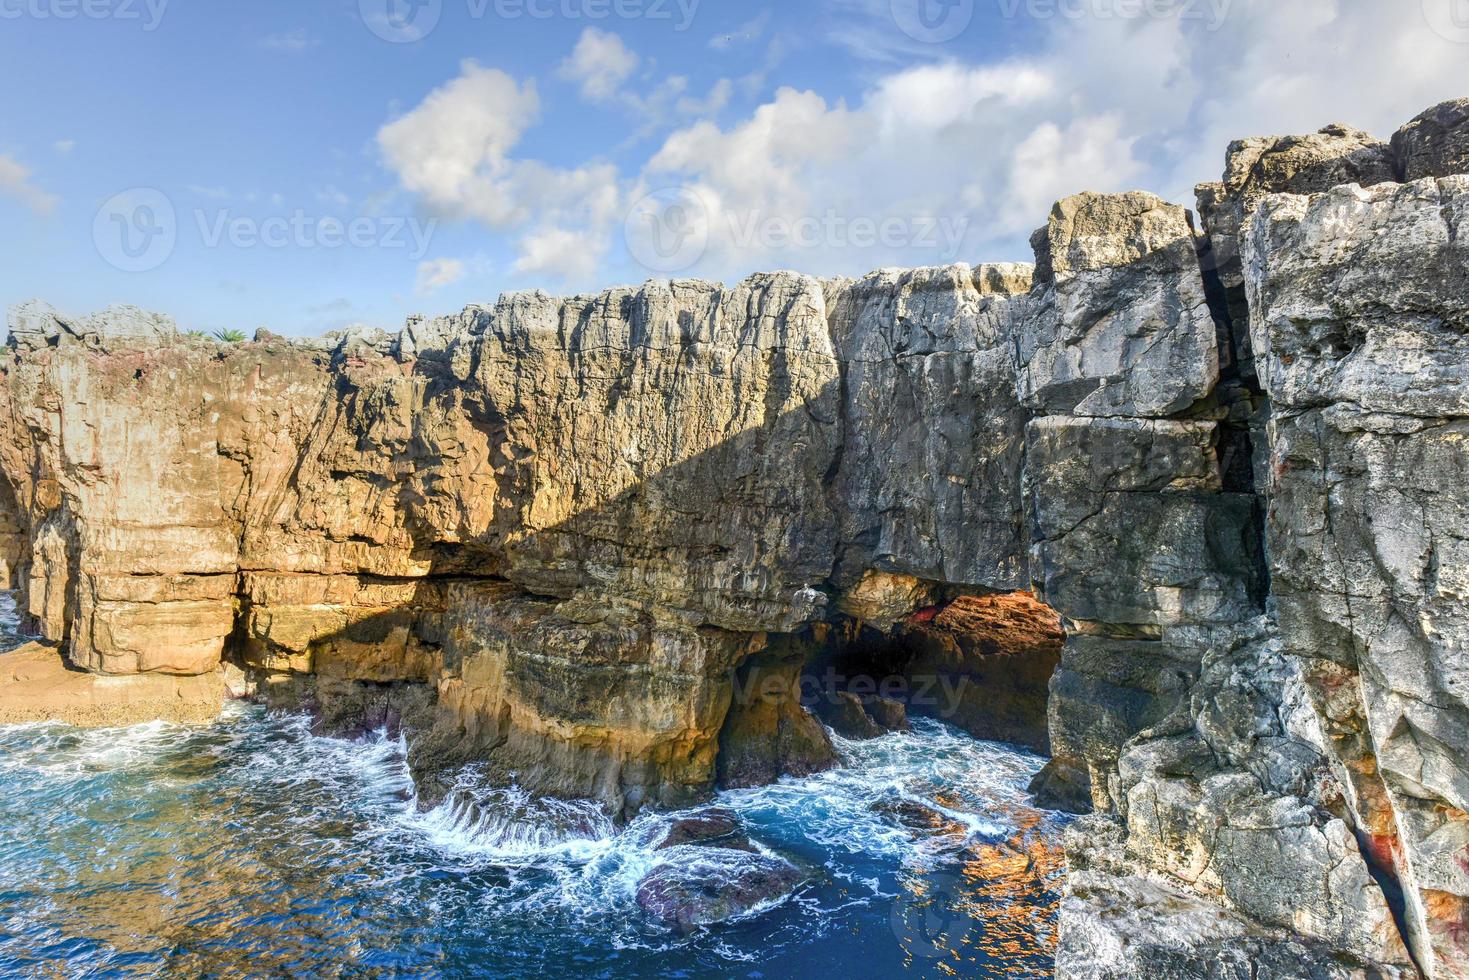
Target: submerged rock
[
  {"x": 698, "y": 887},
  {"x": 714, "y": 827},
  {"x": 918, "y": 817},
  {"x": 888, "y": 714},
  {"x": 861, "y": 716}
]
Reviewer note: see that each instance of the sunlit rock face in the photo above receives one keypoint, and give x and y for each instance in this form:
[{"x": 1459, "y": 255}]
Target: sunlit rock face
[
  {"x": 597, "y": 544},
  {"x": 1360, "y": 314},
  {"x": 649, "y": 486}
]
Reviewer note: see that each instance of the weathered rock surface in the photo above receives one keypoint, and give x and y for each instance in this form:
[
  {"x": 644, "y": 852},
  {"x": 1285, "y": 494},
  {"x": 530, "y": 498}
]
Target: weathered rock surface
[
  {"x": 1256, "y": 168},
  {"x": 704, "y": 886},
  {"x": 1359, "y": 300},
  {"x": 1118, "y": 324},
  {"x": 1435, "y": 143},
  {"x": 37, "y": 686},
  {"x": 714, "y": 827},
  {"x": 929, "y": 377}
]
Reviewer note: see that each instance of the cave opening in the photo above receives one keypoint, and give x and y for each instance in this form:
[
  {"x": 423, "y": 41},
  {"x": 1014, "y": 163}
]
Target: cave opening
[{"x": 980, "y": 662}]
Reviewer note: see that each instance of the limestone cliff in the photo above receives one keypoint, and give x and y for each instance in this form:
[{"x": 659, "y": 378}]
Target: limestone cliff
[{"x": 597, "y": 544}]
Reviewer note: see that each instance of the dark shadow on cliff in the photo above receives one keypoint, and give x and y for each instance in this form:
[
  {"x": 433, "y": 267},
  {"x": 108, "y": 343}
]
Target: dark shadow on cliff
[{"x": 732, "y": 549}]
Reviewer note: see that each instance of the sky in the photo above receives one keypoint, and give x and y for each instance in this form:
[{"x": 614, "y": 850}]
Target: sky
[{"x": 304, "y": 165}]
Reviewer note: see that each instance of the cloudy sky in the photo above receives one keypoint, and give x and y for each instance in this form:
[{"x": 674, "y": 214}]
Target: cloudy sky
[{"x": 303, "y": 164}]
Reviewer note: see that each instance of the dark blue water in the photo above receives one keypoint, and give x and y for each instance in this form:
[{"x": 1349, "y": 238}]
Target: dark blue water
[{"x": 252, "y": 848}]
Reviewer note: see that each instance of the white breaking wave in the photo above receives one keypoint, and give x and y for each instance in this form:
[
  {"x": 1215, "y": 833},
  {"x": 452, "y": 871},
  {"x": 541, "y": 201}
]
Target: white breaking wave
[
  {"x": 509, "y": 826},
  {"x": 546, "y": 860}
]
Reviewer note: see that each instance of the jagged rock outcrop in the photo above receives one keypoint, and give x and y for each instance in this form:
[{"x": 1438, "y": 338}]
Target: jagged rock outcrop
[
  {"x": 1119, "y": 324},
  {"x": 596, "y": 545},
  {"x": 1256, "y": 168},
  {"x": 1434, "y": 144},
  {"x": 1289, "y": 781},
  {"x": 929, "y": 377},
  {"x": 1135, "y": 535}
]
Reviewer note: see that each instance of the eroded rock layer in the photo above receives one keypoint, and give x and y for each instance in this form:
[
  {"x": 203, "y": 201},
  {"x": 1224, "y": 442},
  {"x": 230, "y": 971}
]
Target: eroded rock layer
[{"x": 1195, "y": 492}]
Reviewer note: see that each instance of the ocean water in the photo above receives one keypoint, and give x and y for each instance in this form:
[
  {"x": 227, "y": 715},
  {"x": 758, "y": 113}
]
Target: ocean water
[{"x": 252, "y": 848}]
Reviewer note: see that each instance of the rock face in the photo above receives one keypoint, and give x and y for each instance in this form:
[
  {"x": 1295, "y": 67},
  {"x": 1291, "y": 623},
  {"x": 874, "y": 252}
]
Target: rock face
[
  {"x": 598, "y": 545},
  {"x": 1119, "y": 324},
  {"x": 1364, "y": 344},
  {"x": 1256, "y": 168},
  {"x": 583, "y": 524},
  {"x": 1435, "y": 144}
]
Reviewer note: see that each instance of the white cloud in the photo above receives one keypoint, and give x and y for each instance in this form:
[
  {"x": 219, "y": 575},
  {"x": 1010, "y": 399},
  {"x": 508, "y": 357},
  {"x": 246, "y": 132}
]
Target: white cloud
[
  {"x": 600, "y": 63},
  {"x": 980, "y": 147},
  {"x": 455, "y": 152},
  {"x": 64, "y": 146},
  {"x": 1102, "y": 104},
  {"x": 1093, "y": 104},
  {"x": 15, "y": 180},
  {"x": 435, "y": 274},
  {"x": 573, "y": 255}
]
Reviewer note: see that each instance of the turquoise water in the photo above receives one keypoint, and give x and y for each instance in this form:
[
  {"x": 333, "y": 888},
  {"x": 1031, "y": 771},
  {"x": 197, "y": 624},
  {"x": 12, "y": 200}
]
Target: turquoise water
[{"x": 252, "y": 848}]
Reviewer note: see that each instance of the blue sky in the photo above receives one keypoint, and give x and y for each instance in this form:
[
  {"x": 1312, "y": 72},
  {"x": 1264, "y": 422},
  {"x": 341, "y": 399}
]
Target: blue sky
[{"x": 282, "y": 164}]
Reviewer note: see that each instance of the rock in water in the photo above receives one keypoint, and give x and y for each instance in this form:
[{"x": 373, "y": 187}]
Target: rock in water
[
  {"x": 847, "y": 716},
  {"x": 714, "y": 827},
  {"x": 696, "y": 887},
  {"x": 889, "y": 715}
]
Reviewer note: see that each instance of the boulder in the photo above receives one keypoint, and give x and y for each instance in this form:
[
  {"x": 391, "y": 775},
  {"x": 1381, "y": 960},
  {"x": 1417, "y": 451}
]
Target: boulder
[
  {"x": 1435, "y": 143},
  {"x": 696, "y": 887},
  {"x": 714, "y": 827},
  {"x": 1118, "y": 323}
]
